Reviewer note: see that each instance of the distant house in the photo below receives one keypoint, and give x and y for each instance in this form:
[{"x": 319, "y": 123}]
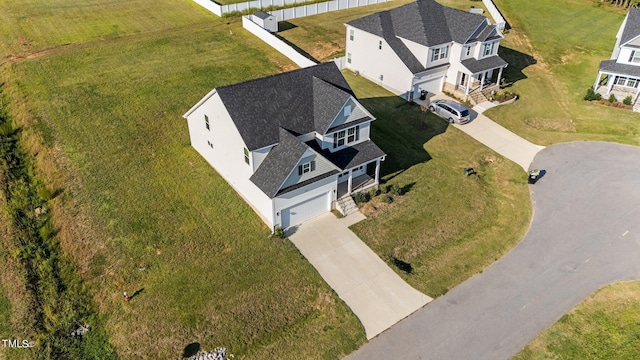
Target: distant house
[
  {"x": 425, "y": 46},
  {"x": 290, "y": 144},
  {"x": 621, "y": 74}
]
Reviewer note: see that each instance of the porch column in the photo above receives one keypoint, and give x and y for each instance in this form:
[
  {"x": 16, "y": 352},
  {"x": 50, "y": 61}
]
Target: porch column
[
  {"x": 610, "y": 83},
  {"x": 595, "y": 85},
  {"x": 466, "y": 90},
  {"x": 499, "y": 77},
  {"x": 636, "y": 97},
  {"x": 349, "y": 182},
  {"x": 378, "y": 171}
]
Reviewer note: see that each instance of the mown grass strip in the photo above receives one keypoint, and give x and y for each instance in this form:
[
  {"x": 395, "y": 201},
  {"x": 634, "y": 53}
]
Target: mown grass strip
[{"x": 58, "y": 301}]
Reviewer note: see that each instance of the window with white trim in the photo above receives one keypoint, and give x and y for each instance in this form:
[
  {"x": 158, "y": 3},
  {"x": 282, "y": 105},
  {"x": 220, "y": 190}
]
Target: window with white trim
[
  {"x": 347, "y": 136},
  {"x": 439, "y": 53},
  {"x": 488, "y": 48},
  {"x": 246, "y": 155},
  {"x": 349, "y": 58},
  {"x": 621, "y": 80},
  {"x": 206, "y": 122},
  {"x": 467, "y": 51},
  {"x": 306, "y": 167},
  {"x": 351, "y": 35},
  {"x": 380, "y": 45},
  {"x": 347, "y": 110},
  {"x": 632, "y": 83},
  {"x": 635, "y": 56}
]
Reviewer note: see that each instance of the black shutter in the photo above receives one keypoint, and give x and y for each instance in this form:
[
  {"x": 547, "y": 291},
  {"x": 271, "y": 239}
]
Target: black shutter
[
  {"x": 299, "y": 169},
  {"x": 313, "y": 165},
  {"x": 357, "y": 132},
  {"x": 335, "y": 140}
]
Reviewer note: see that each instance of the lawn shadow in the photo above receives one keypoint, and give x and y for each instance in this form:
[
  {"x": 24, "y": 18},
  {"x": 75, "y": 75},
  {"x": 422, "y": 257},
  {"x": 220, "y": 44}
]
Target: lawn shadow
[
  {"x": 138, "y": 292},
  {"x": 285, "y": 25},
  {"x": 401, "y": 130},
  {"x": 296, "y": 48},
  {"x": 517, "y": 62},
  {"x": 401, "y": 265},
  {"x": 191, "y": 350}
]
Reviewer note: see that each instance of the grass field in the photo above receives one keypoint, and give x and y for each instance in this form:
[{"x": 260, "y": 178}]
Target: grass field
[
  {"x": 566, "y": 43},
  {"x": 448, "y": 226},
  {"x": 604, "y": 326},
  {"x": 138, "y": 209}
]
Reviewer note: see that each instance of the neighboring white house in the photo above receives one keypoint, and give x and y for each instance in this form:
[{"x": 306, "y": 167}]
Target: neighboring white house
[
  {"x": 426, "y": 46},
  {"x": 621, "y": 74},
  {"x": 290, "y": 144}
]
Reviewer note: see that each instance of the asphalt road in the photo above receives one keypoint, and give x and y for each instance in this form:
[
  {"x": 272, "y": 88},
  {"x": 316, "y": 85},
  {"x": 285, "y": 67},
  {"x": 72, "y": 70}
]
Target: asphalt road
[{"x": 585, "y": 234}]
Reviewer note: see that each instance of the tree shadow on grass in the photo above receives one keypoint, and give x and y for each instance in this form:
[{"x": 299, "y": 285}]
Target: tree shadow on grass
[
  {"x": 517, "y": 62},
  {"x": 401, "y": 129},
  {"x": 191, "y": 350}
]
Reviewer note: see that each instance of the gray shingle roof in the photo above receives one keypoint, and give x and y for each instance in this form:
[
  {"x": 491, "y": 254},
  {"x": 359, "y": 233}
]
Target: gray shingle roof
[
  {"x": 261, "y": 14},
  {"x": 352, "y": 156},
  {"x": 632, "y": 27},
  {"x": 277, "y": 165},
  {"x": 260, "y": 107},
  {"x": 328, "y": 100},
  {"x": 476, "y": 66},
  {"x": 612, "y": 67},
  {"x": 425, "y": 22}
]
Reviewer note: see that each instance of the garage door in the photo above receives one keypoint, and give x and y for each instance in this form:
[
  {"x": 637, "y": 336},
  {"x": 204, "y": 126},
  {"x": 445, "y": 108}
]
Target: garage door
[
  {"x": 432, "y": 86},
  {"x": 305, "y": 210}
]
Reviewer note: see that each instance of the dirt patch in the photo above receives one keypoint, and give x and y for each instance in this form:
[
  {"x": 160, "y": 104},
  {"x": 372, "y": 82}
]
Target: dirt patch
[{"x": 562, "y": 125}]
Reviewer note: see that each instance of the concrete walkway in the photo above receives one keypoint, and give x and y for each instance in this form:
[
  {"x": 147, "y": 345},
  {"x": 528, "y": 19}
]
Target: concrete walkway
[
  {"x": 585, "y": 234},
  {"x": 373, "y": 291},
  {"x": 496, "y": 137}
]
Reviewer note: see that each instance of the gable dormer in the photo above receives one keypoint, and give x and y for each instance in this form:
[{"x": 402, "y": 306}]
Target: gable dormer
[{"x": 349, "y": 126}]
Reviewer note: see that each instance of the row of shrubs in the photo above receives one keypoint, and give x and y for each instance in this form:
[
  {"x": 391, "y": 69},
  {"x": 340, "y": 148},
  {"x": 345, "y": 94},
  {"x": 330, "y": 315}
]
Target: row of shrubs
[
  {"x": 386, "y": 191},
  {"x": 594, "y": 96},
  {"x": 58, "y": 302}
]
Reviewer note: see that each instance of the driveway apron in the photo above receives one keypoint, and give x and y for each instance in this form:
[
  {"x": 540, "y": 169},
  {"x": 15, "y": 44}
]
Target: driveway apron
[{"x": 373, "y": 291}]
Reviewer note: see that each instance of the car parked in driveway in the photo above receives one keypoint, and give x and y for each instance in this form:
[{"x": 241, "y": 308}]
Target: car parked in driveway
[{"x": 450, "y": 111}]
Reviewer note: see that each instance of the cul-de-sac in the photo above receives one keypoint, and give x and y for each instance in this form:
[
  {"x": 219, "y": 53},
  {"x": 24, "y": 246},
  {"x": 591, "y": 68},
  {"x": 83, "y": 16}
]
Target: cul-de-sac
[{"x": 320, "y": 179}]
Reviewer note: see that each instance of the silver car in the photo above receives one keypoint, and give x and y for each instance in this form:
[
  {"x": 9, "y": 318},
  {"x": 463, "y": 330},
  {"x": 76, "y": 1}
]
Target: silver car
[{"x": 450, "y": 111}]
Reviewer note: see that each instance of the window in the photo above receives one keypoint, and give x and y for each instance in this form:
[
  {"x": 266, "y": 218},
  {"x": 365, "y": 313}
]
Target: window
[
  {"x": 632, "y": 83},
  {"x": 349, "y": 58},
  {"x": 380, "y": 45},
  {"x": 351, "y": 135},
  {"x": 488, "y": 49},
  {"x": 635, "y": 57},
  {"x": 246, "y": 156},
  {"x": 439, "y": 53},
  {"x": 306, "y": 167},
  {"x": 351, "y": 35},
  {"x": 346, "y": 136},
  {"x": 381, "y": 77},
  {"x": 347, "y": 110},
  {"x": 210, "y": 144},
  {"x": 621, "y": 80},
  {"x": 467, "y": 51},
  {"x": 206, "y": 122}
]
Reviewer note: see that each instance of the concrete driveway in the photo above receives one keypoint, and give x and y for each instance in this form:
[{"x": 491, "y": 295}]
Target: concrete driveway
[
  {"x": 495, "y": 136},
  {"x": 585, "y": 234},
  {"x": 373, "y": 291}
]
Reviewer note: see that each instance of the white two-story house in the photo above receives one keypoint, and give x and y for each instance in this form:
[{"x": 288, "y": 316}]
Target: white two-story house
[
  {"x": 290, "y": 144},
  {"x": 621, "y": 74},
  {"x": 425, "y": 46}
]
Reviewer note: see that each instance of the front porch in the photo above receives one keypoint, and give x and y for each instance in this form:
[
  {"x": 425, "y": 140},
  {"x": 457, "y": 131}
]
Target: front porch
[
  {"x": 358, "y": 183},
  {"x": 478, "y": 77},
  {"x": 621, "y": 80}
]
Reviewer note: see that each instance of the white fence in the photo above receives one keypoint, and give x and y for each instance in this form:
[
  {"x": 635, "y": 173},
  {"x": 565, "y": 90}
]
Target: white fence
[
  {"x": 495, "y": 14},
  {"x": 276, "y": 43},
  {"x": 286, "y": 14}
]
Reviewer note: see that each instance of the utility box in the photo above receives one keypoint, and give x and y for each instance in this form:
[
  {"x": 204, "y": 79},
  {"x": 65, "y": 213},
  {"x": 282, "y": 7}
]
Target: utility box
[{"x": 266, "y": 21}]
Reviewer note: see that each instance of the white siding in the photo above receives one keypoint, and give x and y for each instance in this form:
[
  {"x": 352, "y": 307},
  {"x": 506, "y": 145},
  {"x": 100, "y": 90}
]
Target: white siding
[
  {"x": 357, "y": 112},
  {"x": 327, "y": 140},
  {"x": 227, "y": 156},
  {"x": 440, "y": 61},
  {"x": 625, "y": 56},
  {"x": 421, "y": 52},
  {"x": 259, "y": 155},
  {"x": 372, "y": 62},
  {"x": 322, "y": 166}
]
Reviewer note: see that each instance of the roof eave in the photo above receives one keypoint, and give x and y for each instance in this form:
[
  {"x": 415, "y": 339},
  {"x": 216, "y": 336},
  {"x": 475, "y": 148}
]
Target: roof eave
[{"x": 199, "y": 103}]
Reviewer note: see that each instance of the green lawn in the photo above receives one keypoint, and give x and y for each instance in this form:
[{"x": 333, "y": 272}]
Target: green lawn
[
  {"x": 448, "y": 226},
  {"x": 566, "y": 40},
  {"x": 137, "y": 207},
  {"x": 604, "y": 326}
]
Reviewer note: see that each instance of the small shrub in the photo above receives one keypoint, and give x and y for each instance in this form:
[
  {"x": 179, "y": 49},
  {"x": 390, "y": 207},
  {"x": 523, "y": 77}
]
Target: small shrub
[
  {"x": 612, "y": 99},
  {"x": 592, "y": 95},
  {"x": 387, "y": 199},
  {"x": 397, "y": 190},
  {"x": 374, "y": 192},
  {"x": 279, "y": 232},
  {"x": 361, "y": 197},
  {"x": 627, "y": 100}
]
